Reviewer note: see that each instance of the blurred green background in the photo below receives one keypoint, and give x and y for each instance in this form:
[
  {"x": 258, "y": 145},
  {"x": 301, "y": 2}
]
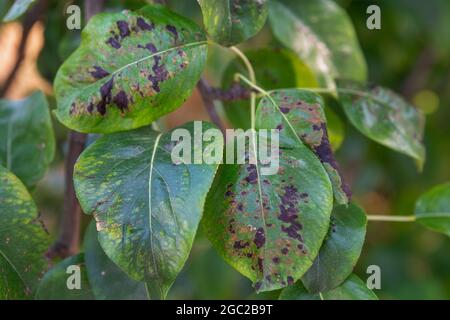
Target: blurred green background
[{"x": 411, "y": 55}]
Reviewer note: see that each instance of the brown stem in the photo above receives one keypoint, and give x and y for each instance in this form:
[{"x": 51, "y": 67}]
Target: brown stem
[
  {"x": 68, "y": 241},
  {"x": 32, "y": 16},
  {"x": 208, "y": 100}
]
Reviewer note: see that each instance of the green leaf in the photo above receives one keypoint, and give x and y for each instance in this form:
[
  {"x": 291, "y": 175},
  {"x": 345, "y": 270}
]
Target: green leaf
[
  {"x": 130, "y": 69},
  {"x": 336, "y": 131},
  {"x": 23, "y": 240},
  {"x": 274, "y": 69},
  {"x": 270, "y": 227},
  {"x": 384, "y": 117},
  {"x": 147, "y": 208},
  {"x": 18, "y": 8},
  {"x": 230, "y": 22},
  {"x": 107, "y": 280},
  {"x": 433, "y": 209},
  {"x": 55, "y": 284},
  {"x": 322, "y": 35},
  {"x": 340, "y": 250},
  {"x": 299, "y": 116},
  {"x": 352, "y": 289},
  {"x": 27, "y": 143}
]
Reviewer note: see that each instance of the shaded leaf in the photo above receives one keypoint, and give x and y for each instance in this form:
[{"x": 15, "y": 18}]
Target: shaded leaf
[
  {"x": 270, "y": 227},
  {"x": 340, "y": 250},
  {"x": 353, "y": 288},
  {"x": 384, "y": 117},
  {"x": 274, "y": 69},
  {"x": 55, "y": 284},
  {"x": 27, "y": 143},
  {"x": 131, "y": 68},
  {"x": 299, "y": 116},
  {"x": 230, "y": 22},
  {"x": 322, "y": 35},
  {"x": 107, "y": 280},
  {"x": 147, "y": 208},
  {"x": 17, "y": 9},
  {"x": 23, "y": 240},
  {"x": 433, "y": 209}
]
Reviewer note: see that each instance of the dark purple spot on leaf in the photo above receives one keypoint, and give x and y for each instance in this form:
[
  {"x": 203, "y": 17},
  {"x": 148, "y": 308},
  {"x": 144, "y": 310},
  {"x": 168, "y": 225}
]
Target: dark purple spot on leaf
[
  {"x": 113, "y": 43},
  {"x": 121, "y": 100},
  {"x": 124, "y": 29},
  {"x": 99, "y": 73},
  {"x": 260, "y": 238},
  {"x": 143, "y": 25}
]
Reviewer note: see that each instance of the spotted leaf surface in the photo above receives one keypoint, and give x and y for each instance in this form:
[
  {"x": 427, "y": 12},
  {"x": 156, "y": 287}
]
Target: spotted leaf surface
[
  {"x": 23, "y": 240},
  {"x": 384, "y": 117},
  {"x": 274, "y": 69},
  {"x": 130, "y": 69},
  {"x": 229, "y": 22},
  {"x": 340, "y": 250},
  {"x": 27, "y": 143},
  {"x": 107, "y": 280},
  {"x": 433, "y": 209},
  {"x": 321, "y": 33},
  {"x": 270, "y": 227},
  {"x": 353, "y": 288},
  {"x": 299, "y": 116},
  {"x": 147, "y": 208},
  {"x": 67, "y": 280}
]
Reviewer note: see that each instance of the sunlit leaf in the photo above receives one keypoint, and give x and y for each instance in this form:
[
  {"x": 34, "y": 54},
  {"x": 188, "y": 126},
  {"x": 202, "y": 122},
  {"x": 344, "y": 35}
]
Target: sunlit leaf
[
  {"x": 433, "y": 209},
  {"x": 322, "y": 34},
  {"x": 229, "y": 22},
  {"x": 353, "y": 288},
  {"x": 384, "y": 117},
  {"x": 23, "y": 240},
  {"x": 130, "y": 69},
  {"x": 340, "y": 250},
  {"x": 27, "y": 143},
  {"x": 147, "y": 208}
]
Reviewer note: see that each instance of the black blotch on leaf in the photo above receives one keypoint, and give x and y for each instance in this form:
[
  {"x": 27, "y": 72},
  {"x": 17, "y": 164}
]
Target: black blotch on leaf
[
  {"x": 124, "y": 29},
  {"x": 143, "y": 25},
  {"x": 99, "y": 72},
  {"x": 113, "y": 42},
  {"x": 105, "y": 92},
  {"x": 121, "y": 100},
  {"x": 260, "y": 238},
  {"x": 172, "y": 30}
]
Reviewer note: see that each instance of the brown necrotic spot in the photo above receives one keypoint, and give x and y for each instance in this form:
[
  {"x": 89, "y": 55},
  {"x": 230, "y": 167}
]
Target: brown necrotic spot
[
  {"x": 172, "y": 30},
  {"x": 99, "y": 72},
  {"x": 113, "y": 42},
  {"x": 121, "y": 100},
  {"x": 143, "y": 25},
  {"x": 124, "y": 29},
  {"x": 105, "y": 93},
  {"x": 240, "y": 244},
  {"x": 149, "y": 46},
  {"x": 260, "y": 238}
]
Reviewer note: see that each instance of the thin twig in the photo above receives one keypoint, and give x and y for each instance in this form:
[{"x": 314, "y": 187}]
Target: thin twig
[
  {"x": 208, "y": 100},
  {"x": 68, "y": 241},
  {"x": 32, "y": 16}
]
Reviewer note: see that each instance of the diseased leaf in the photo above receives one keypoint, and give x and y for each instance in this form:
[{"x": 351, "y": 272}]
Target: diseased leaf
[
  {"x": 131, "y": 68},
  {"x": 58, "y": 282},
  {"x": 384, "y": 117},
  {"x": 322, "y": 35},
  {"x": 340, "y": 250},
  {"x": 27, "y": 143},
  {"x": 147, "y": 208},
  {"x": 270, "y": 227},
  {"x": 274, "y": 69},
  {"x": 23, "y": 240},
  {"x": 353, "y": 288},
  {"x": 433, "y": 209},
  {"x": 230, "y": 22},
  {"x": 17, "y": 9},
  {"x": 299, "y": 116},
  {"x": 107, "y": 280}
]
